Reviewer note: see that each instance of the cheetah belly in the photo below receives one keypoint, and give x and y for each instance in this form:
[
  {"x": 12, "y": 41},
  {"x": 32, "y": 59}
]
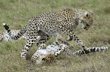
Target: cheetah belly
[{"x": 51, "y": 31}]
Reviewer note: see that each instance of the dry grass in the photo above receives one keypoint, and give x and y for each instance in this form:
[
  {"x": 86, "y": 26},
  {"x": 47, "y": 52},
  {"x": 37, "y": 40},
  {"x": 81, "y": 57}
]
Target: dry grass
[{"x": 16, "y": 14}]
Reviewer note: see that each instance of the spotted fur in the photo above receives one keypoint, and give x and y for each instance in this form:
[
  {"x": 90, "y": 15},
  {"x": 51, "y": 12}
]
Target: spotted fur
[{"x": 52, "y": 24}]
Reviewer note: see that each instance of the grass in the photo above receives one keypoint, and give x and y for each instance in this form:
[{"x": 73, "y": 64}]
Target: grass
[{"x": 16, "y": 14}]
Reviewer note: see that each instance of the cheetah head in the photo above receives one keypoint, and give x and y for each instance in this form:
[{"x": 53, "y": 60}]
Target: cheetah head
[{"x": 86, "y": 20}]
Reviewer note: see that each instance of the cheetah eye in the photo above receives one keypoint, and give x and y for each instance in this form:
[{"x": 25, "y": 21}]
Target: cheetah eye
[
  {"x": 87, "y": 15},
  {"x": 87, "y": 24}
]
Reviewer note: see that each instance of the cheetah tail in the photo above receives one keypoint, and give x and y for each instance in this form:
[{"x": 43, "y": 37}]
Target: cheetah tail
[
  {"x": 6, "y": 27},
  {"x": 13, "y": 36},
  {"x": 92, "y": 49}
]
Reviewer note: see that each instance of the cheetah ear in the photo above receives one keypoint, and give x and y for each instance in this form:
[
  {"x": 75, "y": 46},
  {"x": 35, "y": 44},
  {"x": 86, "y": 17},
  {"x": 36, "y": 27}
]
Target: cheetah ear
[{"x": 91, "y": 12}]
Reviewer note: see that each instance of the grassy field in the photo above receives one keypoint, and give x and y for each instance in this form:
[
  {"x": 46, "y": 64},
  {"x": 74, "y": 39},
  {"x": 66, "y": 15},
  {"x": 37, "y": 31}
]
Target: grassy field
[{"x": 16, "y": 14}]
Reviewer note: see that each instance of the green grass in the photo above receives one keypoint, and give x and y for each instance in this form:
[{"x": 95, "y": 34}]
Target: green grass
[{"x": 16, "y": 14}]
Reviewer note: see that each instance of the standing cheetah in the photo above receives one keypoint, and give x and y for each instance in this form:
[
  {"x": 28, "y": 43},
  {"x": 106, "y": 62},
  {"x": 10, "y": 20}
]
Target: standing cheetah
[{"x": 52, "y": 24}]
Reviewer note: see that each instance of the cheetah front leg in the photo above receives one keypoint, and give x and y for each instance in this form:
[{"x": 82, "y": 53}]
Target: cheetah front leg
[
  {"x": 78, "y": 41},
  {"x": 84, "y": 50},
  {"x": 72, "y": 36}
]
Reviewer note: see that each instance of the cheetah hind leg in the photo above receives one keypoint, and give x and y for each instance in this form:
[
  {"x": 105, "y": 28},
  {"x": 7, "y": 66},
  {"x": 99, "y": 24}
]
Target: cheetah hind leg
[
  {"x": 41, "y": 43},
  {"x": 29, "y": 44},
  {"x": 92, "y": 49},
  {"x": 43, "y": 38}
]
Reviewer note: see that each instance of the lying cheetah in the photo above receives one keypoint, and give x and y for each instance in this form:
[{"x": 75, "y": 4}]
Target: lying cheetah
[
  {"x": 53, "y": 23},
  {"x": 53, "y": 50}
]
